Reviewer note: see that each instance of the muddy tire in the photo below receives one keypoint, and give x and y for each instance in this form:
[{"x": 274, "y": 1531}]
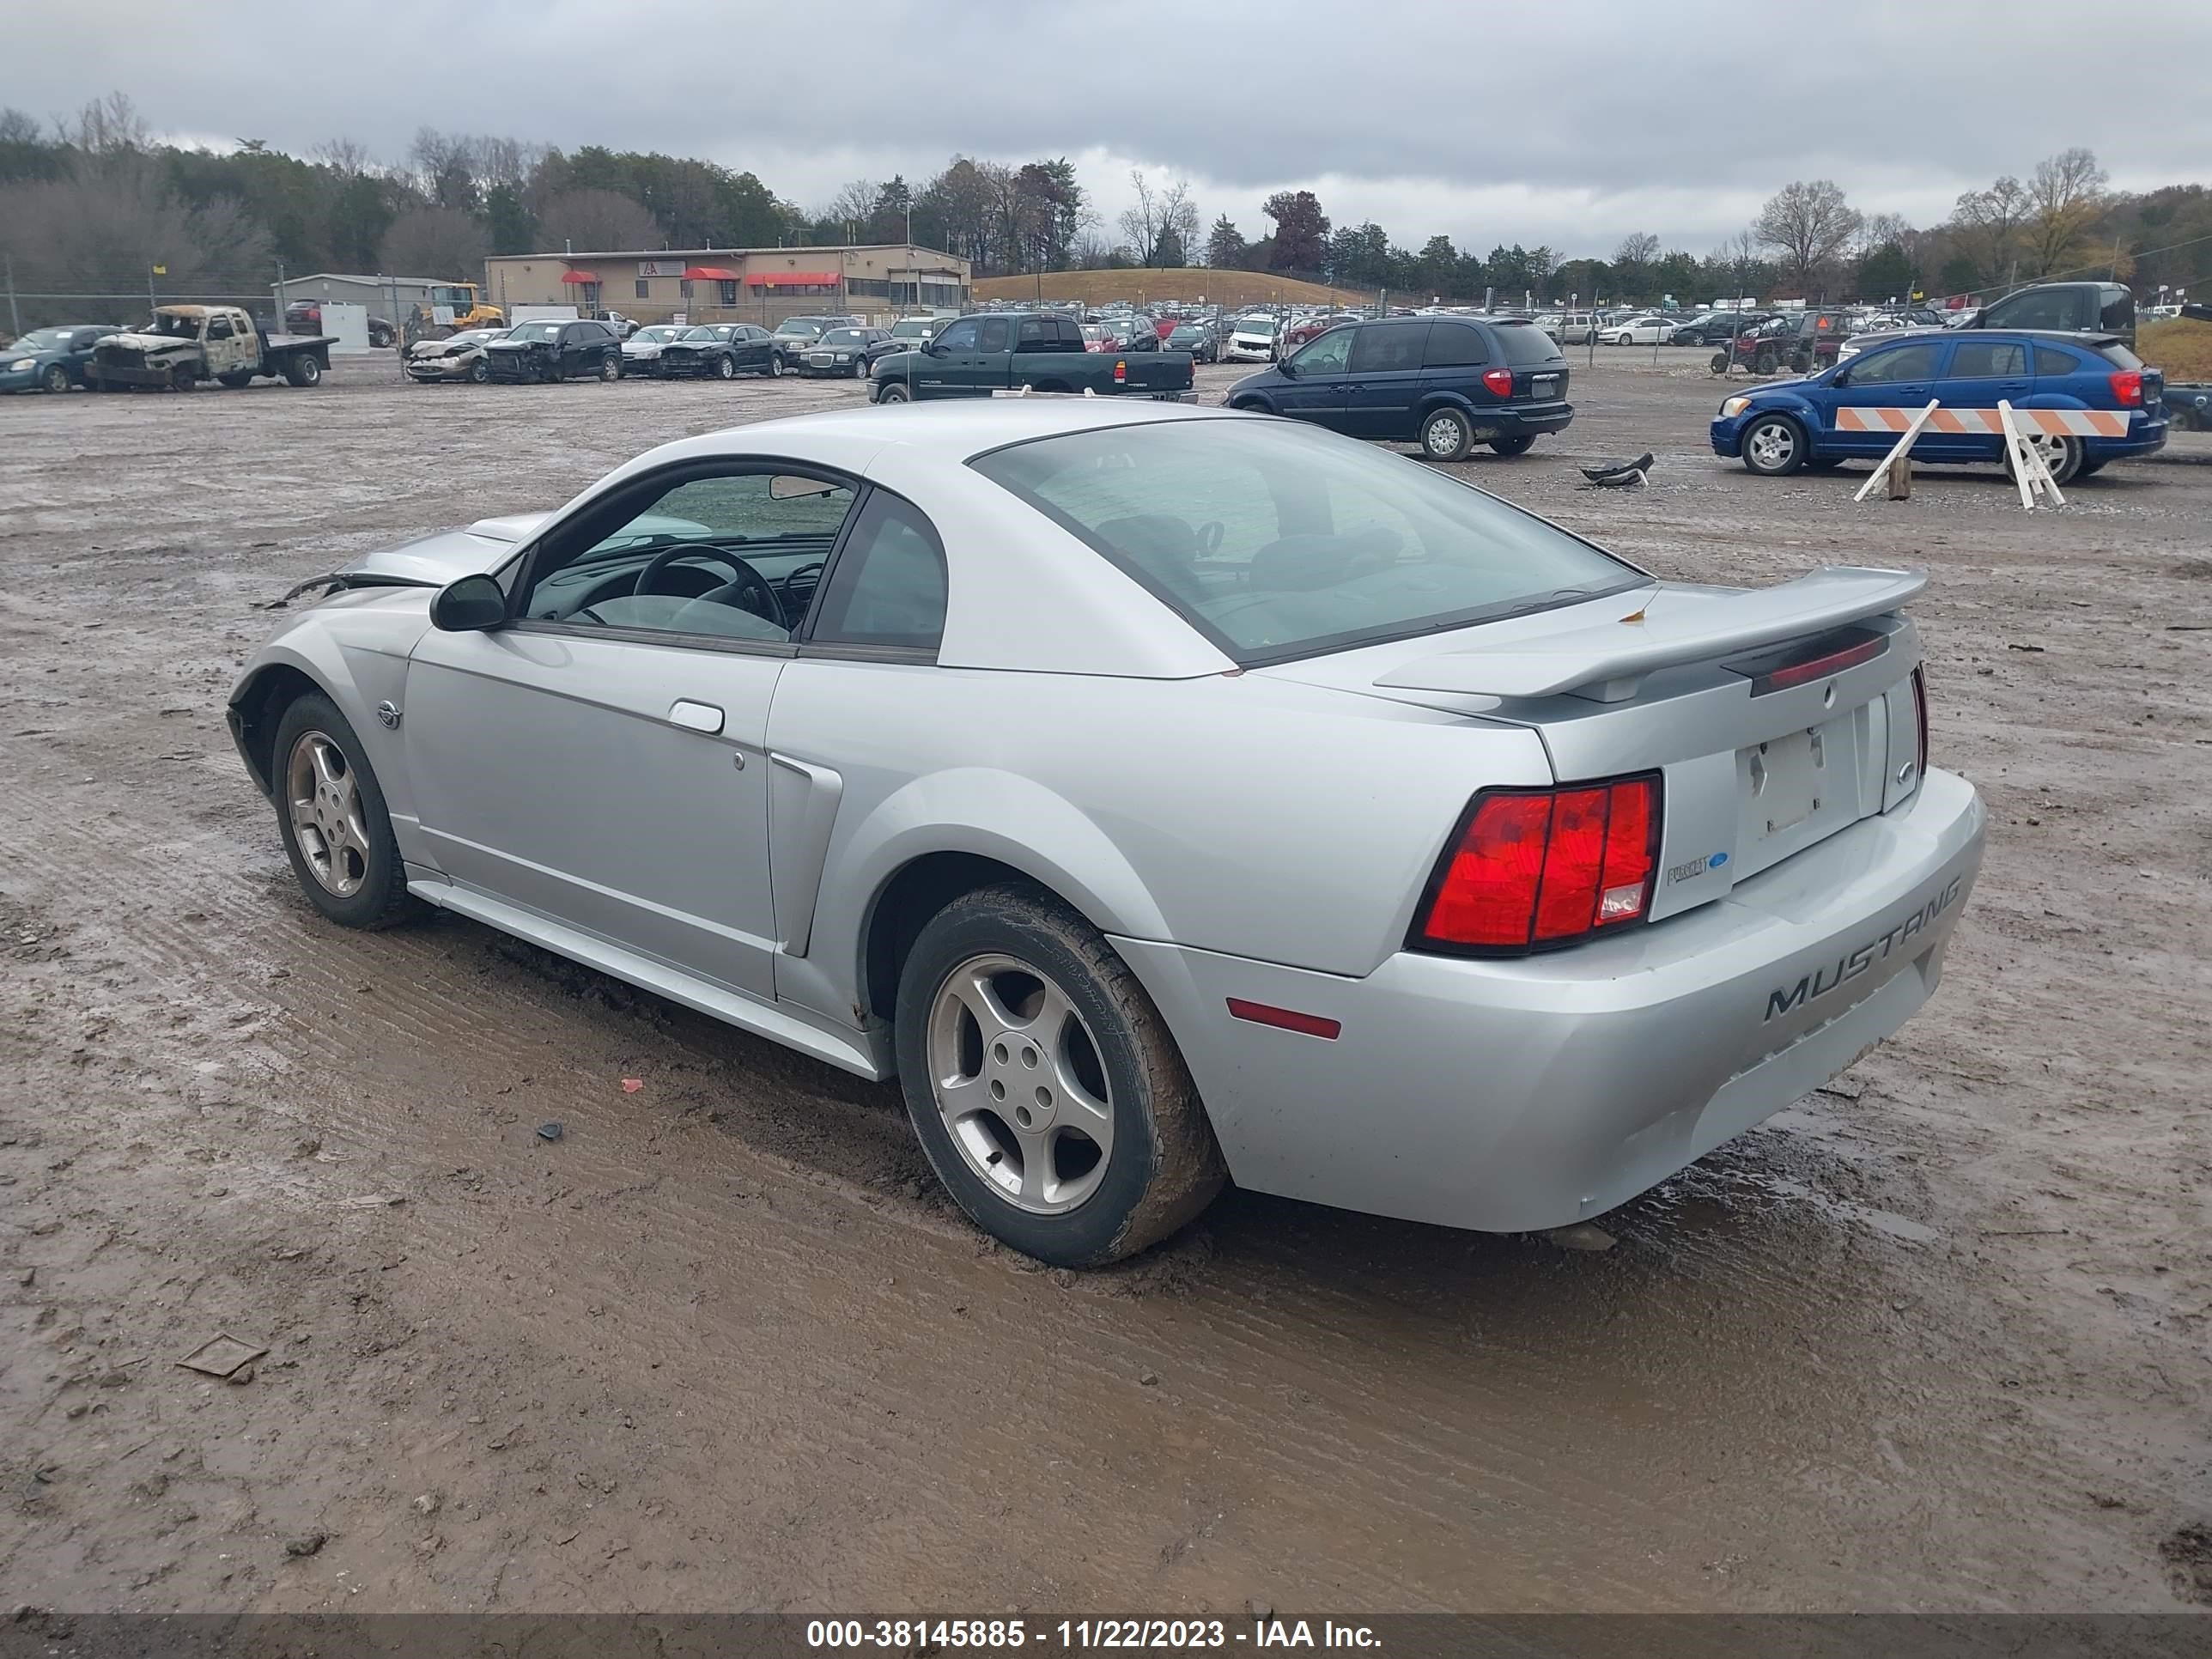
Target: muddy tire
[
  {"x": 893, "y": 391},
  {"x": 1719, "y": 363},
  {"x": 56, "y": 379},
  {"x": 302, "y": 370},
  {"x": 1043, "y": 1084},
  {"x": 330, "y": 813},
  {"x": 1774, "y": 446},
  {"x": 1446, "y": 435}
]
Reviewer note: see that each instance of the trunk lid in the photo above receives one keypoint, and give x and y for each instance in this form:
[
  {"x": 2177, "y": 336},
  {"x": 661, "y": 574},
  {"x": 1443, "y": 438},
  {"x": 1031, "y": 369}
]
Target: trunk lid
[{"x": 1775, "y": 717}]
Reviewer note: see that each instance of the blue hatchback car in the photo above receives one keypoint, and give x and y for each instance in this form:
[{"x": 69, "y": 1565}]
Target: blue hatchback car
[
  {"x": 1445, "y": 383},
  {"x": 1777, "y": 429}
]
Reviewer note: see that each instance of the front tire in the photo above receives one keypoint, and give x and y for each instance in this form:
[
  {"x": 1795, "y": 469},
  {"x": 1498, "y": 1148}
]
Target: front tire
[
  {"x": 1446, "y": 435},
  {"x": 775, "y": 369},
  {"x": 56, "y": 379},
  {"x": 1719, "y": 363},
  {"x": 479, "y": 372},
  {"x": 330, "y": 812},
  {"x": 1766, "y": 362},
  {"x": 725, "y": 369},
  {"x": 893, "y": 391},
  {"x": 1774, "y": 446},
  {"x": 1044, "y": 1086}
]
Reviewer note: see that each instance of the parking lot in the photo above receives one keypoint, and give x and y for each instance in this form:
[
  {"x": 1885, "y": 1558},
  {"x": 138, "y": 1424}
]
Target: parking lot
[{"x": 1937, "y": 1337}]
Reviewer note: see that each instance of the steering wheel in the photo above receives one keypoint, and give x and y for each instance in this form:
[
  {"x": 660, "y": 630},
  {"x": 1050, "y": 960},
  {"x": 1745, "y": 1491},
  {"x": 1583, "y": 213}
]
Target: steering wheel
[{"x": 748, "y": 580}]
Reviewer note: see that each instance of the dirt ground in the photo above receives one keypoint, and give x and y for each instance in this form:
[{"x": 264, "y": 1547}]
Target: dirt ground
[{"x": 1936, "y": 1338}]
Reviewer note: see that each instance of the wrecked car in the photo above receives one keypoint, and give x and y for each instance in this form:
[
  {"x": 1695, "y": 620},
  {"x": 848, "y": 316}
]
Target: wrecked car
[{"x": 184, "y": 345}]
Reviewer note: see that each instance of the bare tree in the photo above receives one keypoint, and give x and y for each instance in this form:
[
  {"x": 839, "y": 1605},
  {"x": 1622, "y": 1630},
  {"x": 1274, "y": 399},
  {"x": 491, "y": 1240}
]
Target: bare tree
[
  {"x": 107, "y": 126},
  {"x": 2065, "y": 198},
  {"x": 1639, "y": 248},
  {"x": 20, "y": 126},
  {"x": 445, "y": 166},
  {"x": 1809, "y": 224},
  {"x": 598, "y": 220},
  {"x": 854, "y": 205},
  {"x": 1985, "y": 226},
  {"x": 347, "y": 157},
  {"x": 435, "y": 241},
  {"x": 1166, "y": 216}
]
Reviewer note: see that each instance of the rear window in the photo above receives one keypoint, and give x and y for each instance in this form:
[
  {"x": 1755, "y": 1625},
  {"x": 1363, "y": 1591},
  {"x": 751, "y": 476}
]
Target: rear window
[
  {"x": 1524, "y": 344},
  {"x": 2117, "y": 354},
  {"x": 1278, "y": 541}
]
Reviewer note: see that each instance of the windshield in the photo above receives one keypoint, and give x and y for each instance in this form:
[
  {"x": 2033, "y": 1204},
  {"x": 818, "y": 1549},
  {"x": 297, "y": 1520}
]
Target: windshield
[
  {"x": 42, "y": 339},
  {"x": 843, "y": 336},
  {"x": 1255, "y": 325},
  {"x": 1185, "y": 331},
  {"x": 704, "y": 334},
  {"x": 658, "y": 334},
  {"x": 459, "y": 297},
  {"x": 1279, "y": 542},
  {"x": 910, "y": 330},
  {"x": 801, "y": 326},
  {"x": 534, "y": 332}
]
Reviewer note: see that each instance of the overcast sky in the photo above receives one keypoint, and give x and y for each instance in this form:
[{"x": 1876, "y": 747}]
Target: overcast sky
[{"x": 1569, "y": 129}]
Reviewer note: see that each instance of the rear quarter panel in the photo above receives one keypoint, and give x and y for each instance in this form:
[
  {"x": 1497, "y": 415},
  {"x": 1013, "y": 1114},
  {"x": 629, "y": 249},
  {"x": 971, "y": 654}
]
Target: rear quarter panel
[{"x": 1252, "y": 817}]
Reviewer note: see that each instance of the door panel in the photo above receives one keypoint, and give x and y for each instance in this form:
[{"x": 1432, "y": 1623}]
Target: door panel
[
  {"x": 1317, "y": 393},
  {"x": 556, "y": 770},
  {"x": 1385, "y": 380},
  {"x": 1979, "y": 374},
  {"x": 1889, "y": 377}
]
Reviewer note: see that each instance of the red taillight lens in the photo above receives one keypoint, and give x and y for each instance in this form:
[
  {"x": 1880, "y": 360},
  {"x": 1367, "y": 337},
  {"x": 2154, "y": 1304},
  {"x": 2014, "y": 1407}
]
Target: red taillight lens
[
  {"x": 1920, "y": 713},
  {"x": 2127, "y": 388},
  {"x": 1120, "y": 371},
  {"x": 1500, "y": 380},
  {"x": 1536, "y": 868}
]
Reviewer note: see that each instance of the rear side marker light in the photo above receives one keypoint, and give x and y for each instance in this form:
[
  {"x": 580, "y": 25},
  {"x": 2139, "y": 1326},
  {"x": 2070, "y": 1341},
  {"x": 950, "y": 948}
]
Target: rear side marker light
[
  {"x": 1533, "y": 869},
  {"x": 1287, "y": 1019},
  {"x": 1499, "y": 380}
]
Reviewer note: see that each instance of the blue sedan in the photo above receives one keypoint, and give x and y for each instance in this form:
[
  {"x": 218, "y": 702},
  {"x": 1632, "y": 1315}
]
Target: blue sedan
[
  {"x": 1777, "y": 429},
  {"x": 51, "y": 359}
]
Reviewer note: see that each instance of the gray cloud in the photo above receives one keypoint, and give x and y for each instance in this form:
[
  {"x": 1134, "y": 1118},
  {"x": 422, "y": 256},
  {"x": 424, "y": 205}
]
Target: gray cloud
[{"x": 1572, "y": 127}]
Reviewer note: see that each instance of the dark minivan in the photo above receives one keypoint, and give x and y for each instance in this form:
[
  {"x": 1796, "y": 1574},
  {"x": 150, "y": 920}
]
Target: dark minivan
[{"x": 1445, "y": 383}]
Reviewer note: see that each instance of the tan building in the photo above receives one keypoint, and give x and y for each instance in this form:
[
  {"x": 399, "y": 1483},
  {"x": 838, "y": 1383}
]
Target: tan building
[{"x": 762, "y": 285}]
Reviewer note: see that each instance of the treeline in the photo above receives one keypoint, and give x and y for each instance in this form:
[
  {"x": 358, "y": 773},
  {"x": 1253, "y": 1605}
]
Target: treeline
[{"x": 93, "y": 205}]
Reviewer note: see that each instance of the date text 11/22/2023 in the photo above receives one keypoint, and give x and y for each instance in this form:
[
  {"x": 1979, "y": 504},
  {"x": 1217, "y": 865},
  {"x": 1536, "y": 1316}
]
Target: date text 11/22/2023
[{"x": 1008, "y": 1635}]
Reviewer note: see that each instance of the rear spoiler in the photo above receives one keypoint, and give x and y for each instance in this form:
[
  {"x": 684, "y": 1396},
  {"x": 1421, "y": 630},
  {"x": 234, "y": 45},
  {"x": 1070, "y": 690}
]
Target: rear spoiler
[{"x": 1607, "y": 661}]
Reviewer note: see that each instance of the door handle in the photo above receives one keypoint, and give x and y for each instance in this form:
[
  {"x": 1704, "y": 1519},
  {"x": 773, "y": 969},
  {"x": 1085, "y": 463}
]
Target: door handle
[{"x": 695, "y": 716}]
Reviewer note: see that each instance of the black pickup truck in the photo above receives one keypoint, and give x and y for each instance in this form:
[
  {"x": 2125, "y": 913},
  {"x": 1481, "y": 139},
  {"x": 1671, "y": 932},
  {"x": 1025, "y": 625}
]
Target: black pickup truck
[{"x": 1008, "y": 350}]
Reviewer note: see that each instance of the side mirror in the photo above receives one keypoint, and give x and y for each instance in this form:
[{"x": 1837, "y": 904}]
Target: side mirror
[
  {"x": 1287, "y": 368},
  {"x": 474, "y": 604}
]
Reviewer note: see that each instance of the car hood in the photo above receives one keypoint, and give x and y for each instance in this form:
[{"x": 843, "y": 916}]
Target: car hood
[
  {"x": 519, "y": 345},
  {"x": 146, "y": 342}
]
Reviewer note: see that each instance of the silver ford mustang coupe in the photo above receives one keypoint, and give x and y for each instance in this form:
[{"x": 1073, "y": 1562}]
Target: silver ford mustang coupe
[{"x": 1162, "y": 794}]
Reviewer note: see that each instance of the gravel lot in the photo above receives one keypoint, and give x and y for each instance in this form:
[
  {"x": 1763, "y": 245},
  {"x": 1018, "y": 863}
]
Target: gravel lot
[{"x": 1936, "y": 1338}]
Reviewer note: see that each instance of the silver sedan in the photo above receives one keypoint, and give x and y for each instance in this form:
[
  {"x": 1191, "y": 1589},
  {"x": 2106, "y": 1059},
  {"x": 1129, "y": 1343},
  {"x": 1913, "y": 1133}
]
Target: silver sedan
[{"x": 1162, "y": 794}]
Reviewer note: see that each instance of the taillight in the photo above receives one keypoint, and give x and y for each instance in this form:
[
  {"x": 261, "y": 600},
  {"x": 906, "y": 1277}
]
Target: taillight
[
  {"x": 2127, "y": 388},
  {"x": 1500, "y": 380},
  {"x": 1120, "y": 371},
  {"x": 1920, "y": 714},
  {"x": 1535, "y": 868}
]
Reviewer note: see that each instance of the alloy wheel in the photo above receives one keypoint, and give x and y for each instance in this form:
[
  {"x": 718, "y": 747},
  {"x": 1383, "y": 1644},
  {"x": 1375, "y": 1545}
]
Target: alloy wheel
[
  {"x": 1772, "y": 445},
  {"x": 327, "y": 821},
  {"x": 1017, "y": 1080}
]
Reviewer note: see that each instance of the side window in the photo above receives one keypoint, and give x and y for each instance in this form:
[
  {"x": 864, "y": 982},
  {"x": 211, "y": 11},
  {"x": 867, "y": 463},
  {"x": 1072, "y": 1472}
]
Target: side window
[
  {"x": 1388, "y": 347},
  {"x": 1329, "y": 355},
  {"x": 2052, "y": 308},
  {"x": 219, "y": 329},
  {"x": 2051, "y": 361},
  {"x": 1032, "y": 335},
  {"x": 1451, "y": 346},
  {"x": 888, "y": 587},
  {"x": 962, "y": 336},
  {"x": 995, "y": 334},
  {"x": 730, "y": 555},
  {"x": 1988, "y": 360},
  {"x": 1071, "y": 336},
  {"x": 1913, "y": 363}
]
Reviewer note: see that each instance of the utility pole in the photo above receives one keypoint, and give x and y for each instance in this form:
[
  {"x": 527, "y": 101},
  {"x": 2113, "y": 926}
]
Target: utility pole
[{"x": 15, "y": 322}]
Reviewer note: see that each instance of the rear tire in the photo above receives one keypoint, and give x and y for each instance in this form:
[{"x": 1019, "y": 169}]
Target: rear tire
[
  {"x": 1774, "y": 446},
  {"x": 1446, "y": 435},
  {"x": 1103, "y": 1147},
  {"x": 1719, "y": 363},
  {"x": 355, "y": 879},
  {"x": 893, "y": 391},
  {"x": 1766, "y": 362},
  {"x": 610, "y": 369},
  {"x": 2061, "y": 455},
  {"x": 302, "y": 370},
  {"x": 1517, "y": 445},
  {"x": 235, "y": 382}
]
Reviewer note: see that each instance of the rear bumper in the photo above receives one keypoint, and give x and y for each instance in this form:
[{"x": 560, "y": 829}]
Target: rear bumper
[
  {"x": 1512, "y": 1095},
  {"x": 1529, "y": 420}
]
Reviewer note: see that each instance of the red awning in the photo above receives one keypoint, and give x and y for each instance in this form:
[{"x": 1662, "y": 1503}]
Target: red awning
[
  {"x": 792, "y": 279},
  {"x": 578, "y": 276},
  {"x": 710, "y": 273}
]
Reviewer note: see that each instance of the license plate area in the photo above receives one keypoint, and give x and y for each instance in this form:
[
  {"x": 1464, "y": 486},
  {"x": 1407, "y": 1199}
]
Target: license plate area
[
  {"x": 1784, "y": 776},
  {"x": 1544, "y": 385}
]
